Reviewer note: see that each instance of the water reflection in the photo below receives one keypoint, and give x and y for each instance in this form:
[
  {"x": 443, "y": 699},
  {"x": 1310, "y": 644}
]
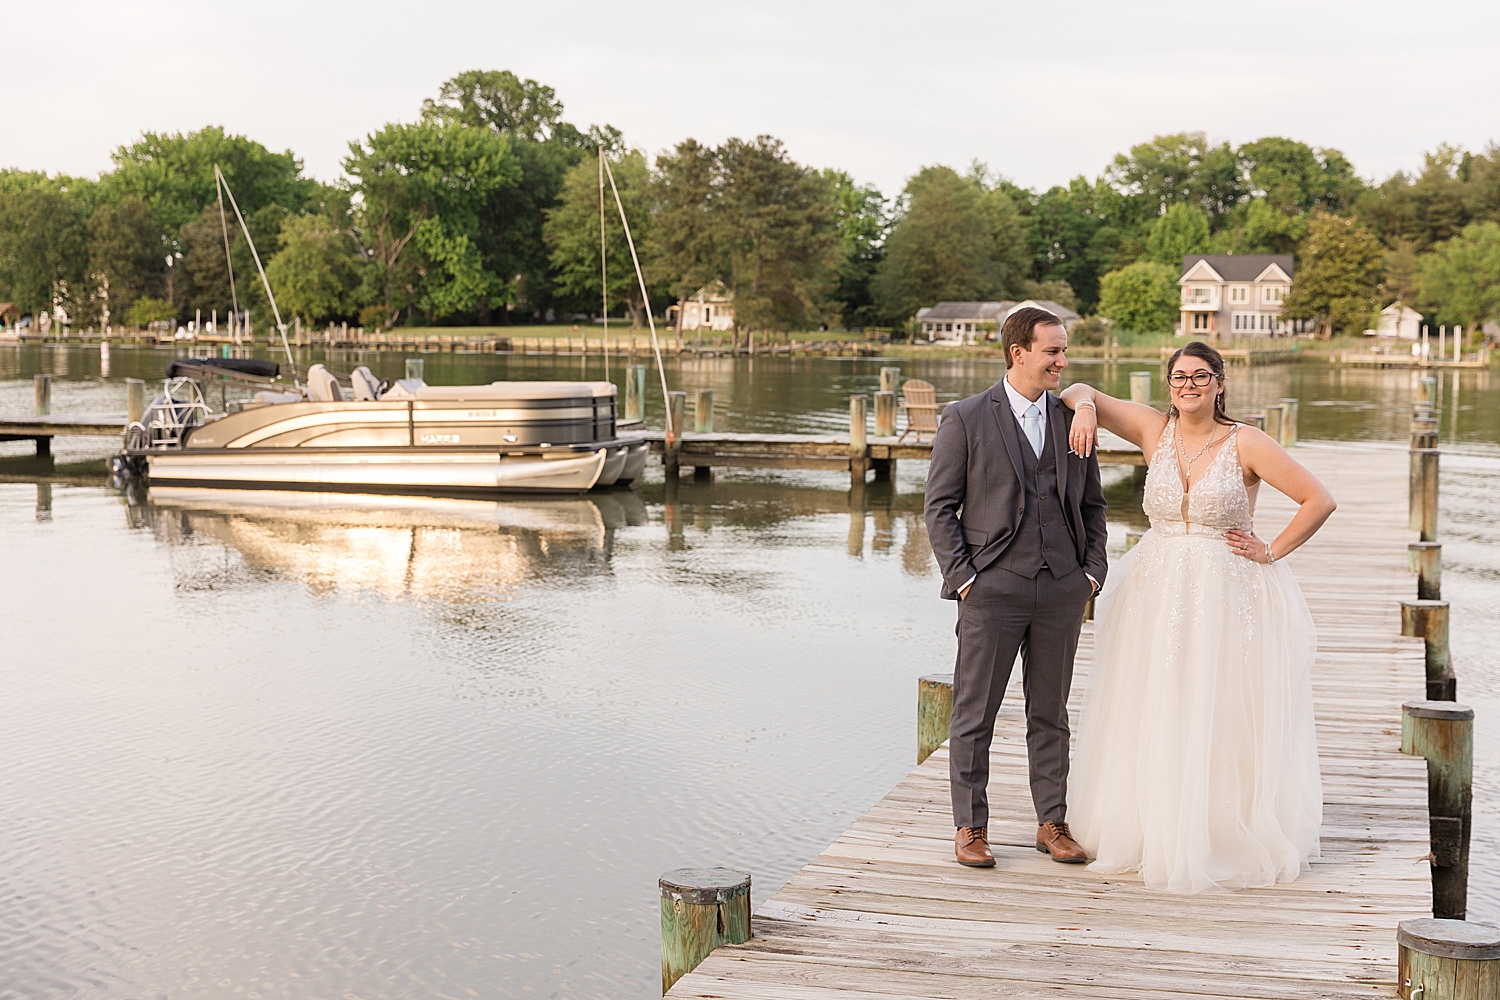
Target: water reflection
[{"x": 463, "y": 551}]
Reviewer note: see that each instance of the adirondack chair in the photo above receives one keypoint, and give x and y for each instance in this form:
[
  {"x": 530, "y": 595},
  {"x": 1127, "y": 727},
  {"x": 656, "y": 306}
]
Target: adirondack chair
[{"x": 919, "y": 400}]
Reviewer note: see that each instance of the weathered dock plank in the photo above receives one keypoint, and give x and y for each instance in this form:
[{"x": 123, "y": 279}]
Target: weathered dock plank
[{"x": 885, "y": 911}]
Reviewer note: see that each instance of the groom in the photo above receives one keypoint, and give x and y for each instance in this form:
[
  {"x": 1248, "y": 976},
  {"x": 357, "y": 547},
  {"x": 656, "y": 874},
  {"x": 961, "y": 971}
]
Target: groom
[{"x": 1016, "y": 521}]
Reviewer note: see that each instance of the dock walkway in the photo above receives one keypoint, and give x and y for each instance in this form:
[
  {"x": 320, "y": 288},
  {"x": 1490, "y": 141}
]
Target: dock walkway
[{"x": 885, "y": 911}]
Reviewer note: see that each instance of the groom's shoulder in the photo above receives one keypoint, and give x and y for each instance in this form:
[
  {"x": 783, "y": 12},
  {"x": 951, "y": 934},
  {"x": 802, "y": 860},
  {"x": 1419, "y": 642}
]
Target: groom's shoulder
[{"x": 978, "y": 401}]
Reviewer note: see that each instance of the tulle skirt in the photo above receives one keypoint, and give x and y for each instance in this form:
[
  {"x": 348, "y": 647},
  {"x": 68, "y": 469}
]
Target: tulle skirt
[{"x": 1197, "y": 759}]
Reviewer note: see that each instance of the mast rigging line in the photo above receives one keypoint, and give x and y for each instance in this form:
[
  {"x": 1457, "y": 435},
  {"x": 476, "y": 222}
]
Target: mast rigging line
[
  {"x": 646, "y": 298},
  {"x": 603, "y": 266},
  {"x": 219, "y": 174}
]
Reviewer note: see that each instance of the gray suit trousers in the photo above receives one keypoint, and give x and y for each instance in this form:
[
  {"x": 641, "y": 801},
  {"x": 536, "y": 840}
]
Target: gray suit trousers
[{"x": 1005, "y": 613}]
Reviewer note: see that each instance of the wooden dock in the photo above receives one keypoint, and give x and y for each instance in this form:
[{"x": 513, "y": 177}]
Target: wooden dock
[
  {"x": 43, "y": 429},
  {"x": 885, "y": 910}
]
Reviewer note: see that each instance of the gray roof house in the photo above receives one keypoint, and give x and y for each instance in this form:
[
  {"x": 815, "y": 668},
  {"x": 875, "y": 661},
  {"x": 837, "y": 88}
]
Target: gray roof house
[
  {"x": 1236, "y": 295},
  {"x": 962, "y": 322}
]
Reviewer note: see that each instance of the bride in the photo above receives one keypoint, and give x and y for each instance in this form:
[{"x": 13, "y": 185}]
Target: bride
[{"x": 1197, "y": 763}]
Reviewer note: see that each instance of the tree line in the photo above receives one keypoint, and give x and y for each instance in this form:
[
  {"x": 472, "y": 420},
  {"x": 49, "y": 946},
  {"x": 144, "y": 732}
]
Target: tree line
[{"x": 485, "y": 209}]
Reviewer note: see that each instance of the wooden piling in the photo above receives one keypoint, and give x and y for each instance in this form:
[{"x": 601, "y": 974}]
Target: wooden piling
[
  {"x": 676, "y": 407},
  {"x": 1443, "y": 733},
  {"x": 1288, "y": 423},
  {"x": 859, "y": 450},
  {"x": 1273, "y": 413},
  {"x": 701, "y": 909},
  {"x": 934, "y": 713},
  {"x": 1256, "y": 420},
  {"x": 1426, "y": 560},
  {"x": 1428, "y": 620},
  {"x": 1447, "y": 960},
  {"x": 635, "y": 392},
  {"x": 890, "y": 379},
  {"x": 135, "y": 400},
  {"x": 43, "y": 385},
  {"x": 1427, "y": 390},
  {"x": 703, "y": 411},
  {"x": 1427, "y": 469},
  {"x": 885, "y": 413},
  {"x": 1140, "y": 387},
  {"x": 416, "y": 368}
]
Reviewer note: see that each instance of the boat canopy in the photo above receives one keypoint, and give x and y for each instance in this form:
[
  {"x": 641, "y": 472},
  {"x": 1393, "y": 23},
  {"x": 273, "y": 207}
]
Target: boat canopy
[{"x": 191, "y": 367}]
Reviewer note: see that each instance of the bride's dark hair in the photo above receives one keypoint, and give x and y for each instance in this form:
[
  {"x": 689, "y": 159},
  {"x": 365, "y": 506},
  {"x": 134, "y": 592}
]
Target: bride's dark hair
[{"x": 1203, "y": 352}]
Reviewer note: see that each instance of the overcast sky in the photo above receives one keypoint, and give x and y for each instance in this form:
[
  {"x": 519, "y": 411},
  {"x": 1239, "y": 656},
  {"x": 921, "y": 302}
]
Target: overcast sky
[{"x": 1040, "y": 91}]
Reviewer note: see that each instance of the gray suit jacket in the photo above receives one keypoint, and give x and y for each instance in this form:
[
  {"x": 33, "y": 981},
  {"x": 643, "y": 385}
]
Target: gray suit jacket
[{"x": 975, "y": 497}]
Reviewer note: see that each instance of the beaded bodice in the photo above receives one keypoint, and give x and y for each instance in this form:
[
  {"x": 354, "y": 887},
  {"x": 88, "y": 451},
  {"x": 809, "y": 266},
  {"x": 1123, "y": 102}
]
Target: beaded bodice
[{"x": 1217, "y": 500}]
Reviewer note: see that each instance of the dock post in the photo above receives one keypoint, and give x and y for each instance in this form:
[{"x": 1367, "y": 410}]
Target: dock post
[
  {"x": 135, "y": 399},
  {"x": 635, "y": 392},
  {"x": 1443, "y": 732},
  {"x": 890, "y": 379},
  {"x": 415, "y": 367},
  {"x": 1133, "y": 538},
  {"x": 885, "y": 413},
  {"x": 934, "y": 713},
  {"x": 701, "y": 909},
  {"x": 676, "y": 405},
  {"x": 859, "y": 450},
  {"x": 1428, "y": 621},
  {"x": 43, "y": 394},
  {"x": 1288, "y": 423},
  {"x": 1426, "y": 559},
  {"x": 1446, "y": 958},
  {"x": 1140, "y": 387},
  {"x": 703, "y": 411},
  {"x": 1256, "y": 420},
  {"x": 1427, "y": 391},
  {"x": 1274, "y": 413},
  {"x": 1427, "y": 465}
]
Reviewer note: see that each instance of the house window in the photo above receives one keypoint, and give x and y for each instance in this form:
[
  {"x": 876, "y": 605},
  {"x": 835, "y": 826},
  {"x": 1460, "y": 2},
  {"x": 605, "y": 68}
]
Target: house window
[
  {"x": 1239, "y": 293},
  {"x": 1272, "y": 293},
  {"x": 1242, "y": 322},
  {"x": 968, "y": 327},
  {"x": 1200, "y": 296},
  {"x": 708, "y": 313},
  {"x": 948, "y": 328},
  {"x": 1200, "y": 321}
]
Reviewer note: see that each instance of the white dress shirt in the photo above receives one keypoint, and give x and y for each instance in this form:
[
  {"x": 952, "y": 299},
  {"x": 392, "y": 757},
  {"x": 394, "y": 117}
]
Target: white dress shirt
[{"x": 1019, "y": 404}]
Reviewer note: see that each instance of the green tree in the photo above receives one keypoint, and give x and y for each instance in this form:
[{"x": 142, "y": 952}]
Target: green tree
[
  {"x": 126, "y": 253},
  {"x": 173, "y": 174},
  {"x": 861, "y": 217},
  {"x": 146, "y": 310},
  {"x": 43, "y": 246},
  {"x": 572, "y": 235},
  {"x": 1181, "y": 231},
  {"x": 1293, "y": 178},
  {"x": 774, "y": 219},
  {"x": 423, "y": 189},
  {"x": 686, "y": 250},
  {"x": 1338, "y": 274},
  {"x": 1461, "y": 277},
  {"x": 1401, "y": 279},
  {"x": 316, "y": 274},
  {"x": 1077, "y": 233},
  {"x": 1425, "y": 209},
  {"x": 1143, "y": 297},
  {"x": 955, "y": 241},
  {"x": 1181, "y": 169}
]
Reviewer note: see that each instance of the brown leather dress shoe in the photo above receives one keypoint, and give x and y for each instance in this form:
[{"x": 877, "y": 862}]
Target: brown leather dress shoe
[
  {"x": 1054, "y": 839},
  {"x": 971, "y": 844}
]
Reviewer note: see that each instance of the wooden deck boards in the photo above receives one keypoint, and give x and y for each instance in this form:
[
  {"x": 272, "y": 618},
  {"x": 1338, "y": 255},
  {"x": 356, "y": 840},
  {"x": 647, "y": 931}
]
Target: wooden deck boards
[{"x": 885, "y": 911}]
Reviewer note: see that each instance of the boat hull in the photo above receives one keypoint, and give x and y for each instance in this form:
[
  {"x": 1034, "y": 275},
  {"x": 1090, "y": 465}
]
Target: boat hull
[{"x": 402, "y": 470}]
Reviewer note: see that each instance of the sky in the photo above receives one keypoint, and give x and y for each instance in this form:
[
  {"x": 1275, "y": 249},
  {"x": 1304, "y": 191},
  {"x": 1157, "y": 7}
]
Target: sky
[{"x": 1041, "y": 92}]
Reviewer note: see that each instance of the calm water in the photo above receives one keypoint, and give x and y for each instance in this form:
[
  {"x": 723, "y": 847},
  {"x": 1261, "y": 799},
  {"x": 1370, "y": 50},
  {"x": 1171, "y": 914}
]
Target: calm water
[{"x": 443, "y": 749}]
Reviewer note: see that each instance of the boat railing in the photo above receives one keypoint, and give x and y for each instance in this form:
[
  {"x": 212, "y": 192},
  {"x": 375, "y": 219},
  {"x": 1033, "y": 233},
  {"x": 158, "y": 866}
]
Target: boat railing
[{"x": 169, "y": 419}]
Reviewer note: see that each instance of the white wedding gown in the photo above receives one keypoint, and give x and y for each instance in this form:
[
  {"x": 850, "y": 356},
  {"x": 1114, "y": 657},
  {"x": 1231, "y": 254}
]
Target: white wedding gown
[{"x": 1197, "y": 761}]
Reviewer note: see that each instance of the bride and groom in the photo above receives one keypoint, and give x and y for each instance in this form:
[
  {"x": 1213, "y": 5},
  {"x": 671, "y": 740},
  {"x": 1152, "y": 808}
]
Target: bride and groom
[{"x": 1196, "y": 763}]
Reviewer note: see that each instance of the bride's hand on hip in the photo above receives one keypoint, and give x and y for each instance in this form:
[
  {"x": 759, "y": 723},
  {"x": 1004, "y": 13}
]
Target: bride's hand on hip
[
  {"x": 1083, "y": 436},
  {"x": 1247, "y": 544}
]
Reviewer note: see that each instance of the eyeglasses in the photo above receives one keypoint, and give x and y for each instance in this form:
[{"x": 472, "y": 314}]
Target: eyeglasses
[{"x": 1179, "y": 380}]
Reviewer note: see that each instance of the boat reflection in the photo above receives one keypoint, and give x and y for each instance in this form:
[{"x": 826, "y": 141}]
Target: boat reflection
[{"x": 457, "y": 550}]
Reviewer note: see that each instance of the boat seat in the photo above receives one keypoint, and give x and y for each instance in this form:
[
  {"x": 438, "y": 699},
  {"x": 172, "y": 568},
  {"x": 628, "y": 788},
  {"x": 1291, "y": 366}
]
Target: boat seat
[
  {"x": 366, "y": 385},
  {"x": 322, "y": 387}
]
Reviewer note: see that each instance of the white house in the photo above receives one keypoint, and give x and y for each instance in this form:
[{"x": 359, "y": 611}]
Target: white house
[
  {"x": 1236, "y": 295},
  {"x": 709, "y": 308},
  {"x": 964, "y": 322},
  {"x": 1399, "y": 320}
]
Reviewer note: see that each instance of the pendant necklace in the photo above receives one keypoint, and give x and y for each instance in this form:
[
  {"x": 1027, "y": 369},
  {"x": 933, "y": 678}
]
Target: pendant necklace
[{"x": 1182, "y": 444}]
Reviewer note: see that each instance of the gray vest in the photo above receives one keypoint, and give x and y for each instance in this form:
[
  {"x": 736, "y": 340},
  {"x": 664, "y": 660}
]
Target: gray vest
[{"x": 1043, "y": 538}]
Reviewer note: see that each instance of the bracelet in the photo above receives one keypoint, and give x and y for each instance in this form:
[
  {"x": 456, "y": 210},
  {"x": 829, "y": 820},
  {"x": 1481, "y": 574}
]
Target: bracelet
[
  {"x": 1085, "y": 402},
  {"x": 1270, "y": 555}
]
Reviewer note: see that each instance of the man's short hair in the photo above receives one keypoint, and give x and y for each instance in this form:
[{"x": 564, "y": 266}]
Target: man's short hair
[{"x": 1020, "y": 329}]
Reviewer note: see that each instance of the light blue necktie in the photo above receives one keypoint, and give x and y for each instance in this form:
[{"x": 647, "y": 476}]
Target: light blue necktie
[{"x": 1031, "y": 423}]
